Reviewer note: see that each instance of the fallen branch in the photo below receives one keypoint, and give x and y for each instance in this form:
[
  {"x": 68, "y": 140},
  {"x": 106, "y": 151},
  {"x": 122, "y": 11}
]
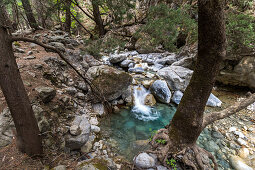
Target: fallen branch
[
  {"x": 210, "y": 118},
  {"x": 94, "y": 89}
]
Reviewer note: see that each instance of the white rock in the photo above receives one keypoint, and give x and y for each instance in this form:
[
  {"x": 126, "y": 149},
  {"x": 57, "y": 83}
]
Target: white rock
[
  {"x": 95, "y": 129},
  {"x": 75, "y": 130},
  {"x": 143, "y": 160},
  {"x": 243, "y": 153},
  {"x": 238, "y": 164},
  {"x": 232, "y": 129},
  {"x": 241, "y": 142},
  {"x": 93, "y": 121}
]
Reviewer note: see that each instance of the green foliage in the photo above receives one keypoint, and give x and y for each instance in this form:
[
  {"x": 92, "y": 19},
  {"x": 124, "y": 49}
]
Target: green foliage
[
  {"x": 165, "y": 24},
  {"x": 153, "y": 132},
  {"x": 107, "y": 45},
  {"x": 240, "y": 29},
  {"x": 172, "y": 163},
  {"x": 242, "y": 5},
  {"x": 161, "y": 141}
]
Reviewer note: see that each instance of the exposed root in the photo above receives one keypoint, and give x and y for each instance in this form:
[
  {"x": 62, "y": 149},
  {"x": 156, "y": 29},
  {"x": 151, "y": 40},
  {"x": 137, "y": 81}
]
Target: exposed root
[{"x": 191, "y": 156}]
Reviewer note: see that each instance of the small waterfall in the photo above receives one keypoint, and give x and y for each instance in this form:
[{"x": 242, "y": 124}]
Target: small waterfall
[{"x": 140, "y": 110}]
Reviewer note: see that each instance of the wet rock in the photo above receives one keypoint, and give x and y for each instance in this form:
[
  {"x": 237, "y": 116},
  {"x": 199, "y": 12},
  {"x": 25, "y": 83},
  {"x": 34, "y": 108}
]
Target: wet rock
[
  {"x": 46, "y": 93},
  {"x": 147, "y": 83},
  {"x": 238, "y": 164},
  {"x": 177, "y": 96},
  {"x": 127, "y": 95},
  {"x": 110, "y": 81},
  {"x": 213, "y": 101},
  {"x": 150, "y": 100},
  {"x": 177, "y": 77},
  {"x": 117, "y": 58},
  {"x": 161, "y": 91},
  {"x": 76, "y": 142},
  {"x": 143, "y": 160}
]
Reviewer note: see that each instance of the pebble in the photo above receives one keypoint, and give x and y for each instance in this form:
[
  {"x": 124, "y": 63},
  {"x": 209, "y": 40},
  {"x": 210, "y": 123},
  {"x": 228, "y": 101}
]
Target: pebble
[
  {"x": 243, "y": 153},
  {"x": 241, "y": 142}
]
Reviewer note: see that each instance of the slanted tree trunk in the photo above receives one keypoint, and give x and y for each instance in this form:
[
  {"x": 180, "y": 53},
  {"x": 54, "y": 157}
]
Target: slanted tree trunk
[
  {"x": 39, "y": 6},
  {"x": 28, "y": 139},
  {"x": 98, "y": 19},
  {"x": 29, "y": 14},
  {"x": 15, "y": 15},
  {"x": 68, "y": 16}
]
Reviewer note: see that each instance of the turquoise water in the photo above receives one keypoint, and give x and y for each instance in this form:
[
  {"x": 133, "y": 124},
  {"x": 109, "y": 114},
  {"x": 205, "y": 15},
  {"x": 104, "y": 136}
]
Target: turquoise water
[{"x": 130, "y": 133}]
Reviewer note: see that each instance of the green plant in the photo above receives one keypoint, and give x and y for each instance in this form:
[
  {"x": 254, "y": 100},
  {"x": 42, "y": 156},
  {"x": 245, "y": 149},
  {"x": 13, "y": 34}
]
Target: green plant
[
  {"x": 240, "y": 30},
  {"x": 161, "y": 141},
  {"x": 165, "y": 24},
  {"x": 172, "y": 163},
  {"x": 153, "y": 132}
]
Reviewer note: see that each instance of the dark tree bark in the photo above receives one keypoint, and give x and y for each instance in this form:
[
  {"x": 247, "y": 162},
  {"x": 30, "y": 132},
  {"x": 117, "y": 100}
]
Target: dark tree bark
[
  {"x": 40, "y": 9},
  {"x": 68, "y": 16},
  {"x": 98, "y": 19},
  {"x": 29, "y": 14},
  {"x": 28, "y": 139},
  {"x": 186, "y": 125},
  {"x": 15, "y": 15}
]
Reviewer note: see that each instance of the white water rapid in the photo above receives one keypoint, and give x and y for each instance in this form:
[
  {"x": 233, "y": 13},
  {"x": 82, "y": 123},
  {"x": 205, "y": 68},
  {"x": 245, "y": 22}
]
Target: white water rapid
[{"x": 140, "y": 110}]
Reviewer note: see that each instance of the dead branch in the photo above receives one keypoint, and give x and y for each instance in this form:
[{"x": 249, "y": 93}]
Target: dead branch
[
  {"x": 210, "y": 118},
  {"x": 94, "y": 89}
]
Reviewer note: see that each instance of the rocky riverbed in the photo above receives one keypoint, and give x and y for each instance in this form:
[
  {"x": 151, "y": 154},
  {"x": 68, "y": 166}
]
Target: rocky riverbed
[{"x": 69, "y": 115}]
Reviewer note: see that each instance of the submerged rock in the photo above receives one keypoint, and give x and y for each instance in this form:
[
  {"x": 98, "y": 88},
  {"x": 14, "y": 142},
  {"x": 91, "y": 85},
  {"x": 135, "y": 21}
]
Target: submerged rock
[
  {"x": 161, "y": 91},
  {"x": 110, "y": 81},
  {"x": 143, "y": 160}
]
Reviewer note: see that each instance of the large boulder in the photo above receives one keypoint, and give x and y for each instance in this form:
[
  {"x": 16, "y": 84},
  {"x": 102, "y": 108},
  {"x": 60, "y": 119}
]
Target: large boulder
[
  {"x": 144, "y": 160},
  {"x": 117, "y": 58},
  {"x": 110, "y": 81},
  {"x": 161, "y": 91},
  {"x": 243, "y": 74},
  {"x": 177, "y": 77},
  {"x": 79, "y": 133}
]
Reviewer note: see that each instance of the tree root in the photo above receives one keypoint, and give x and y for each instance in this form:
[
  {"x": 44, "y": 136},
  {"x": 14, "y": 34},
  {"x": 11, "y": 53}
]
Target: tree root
[{"x": 192, "y": 156}]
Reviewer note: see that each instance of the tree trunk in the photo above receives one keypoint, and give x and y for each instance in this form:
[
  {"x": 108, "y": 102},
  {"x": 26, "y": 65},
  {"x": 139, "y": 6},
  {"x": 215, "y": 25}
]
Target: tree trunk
[
  {"x": 15, "y": 15},
  {"x": 39, "y": 6},
  {"x": 28, "y": 139},
  {"x": 186, "y": 124},
  {"x": 98, "y": 19},
  {"x": 68, "y": 16},
  {"x": 29, "y": 14}
]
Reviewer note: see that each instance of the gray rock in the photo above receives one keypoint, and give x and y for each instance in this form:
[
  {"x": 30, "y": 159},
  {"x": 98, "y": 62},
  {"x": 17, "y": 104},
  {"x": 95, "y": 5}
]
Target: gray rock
[
  {"x": 95, "y": 128},
  {"x": 238, "y": 163},
  {"x": 160, "y": 167},
  {"x": 127, "y": 95},
  {"x": 125, "y": 63},
  {"x": 110, "y": 81},
  {"x": 243, "y": 73},
  {"x": 60, "y": 167},
  {"x": 99, "y": 108},
  {"x": 71, "y": 90},
  {"x": 177, "y": 77},
  {"x": 29, "y": 52},
  {"x": 80, "y": 96},
  {"x": 213, "y": 101},
  {"x": 136, "y": 70},
  {"x": 75, "y": 130},
  {"x": 46, "y": 93},
  {"x": 171, "y": 59},
  {"x": 161, "y": 91},
  {"x": 117, "y": 58},
  {"x": 76, "y": 142},
  {"x": 187, "y": 62},
  {"x": 87, "y": 167},
  {"x": 19, "y": 50},
  {"x": 6, "y": 126},
  {"x": 177, "y": 96},
  {"x": 143, "y": 160},
  {"x": 29, "y": 58},
  {"x": 91, "y": 60},
  {"x": 58, "y": 45}
]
